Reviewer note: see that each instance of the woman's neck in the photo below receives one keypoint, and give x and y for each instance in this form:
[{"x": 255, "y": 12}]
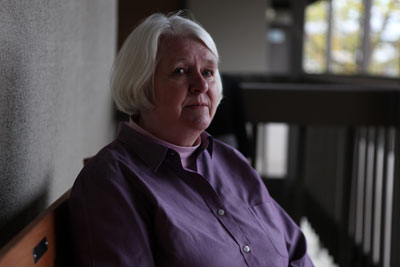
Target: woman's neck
[
  {"x": 187, "y": 138},
  {"x": 186, "y": 153}
]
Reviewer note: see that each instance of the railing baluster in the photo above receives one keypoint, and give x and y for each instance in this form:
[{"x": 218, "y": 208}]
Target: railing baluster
[
  {"x": 384, "y": 190},
  {"x": 378, "y": 187},
  {"x": 395, "y": 233},
  {"x": 389, "y": 198},
  {"x": 368, "y": 192},
  {"x": 261, "y": 148},
  {"x": 354, "y": 183},
  {"x": 353, "y": 198},
  {"x": 360, "y": 187},
  {"x": 347, "y": 202}
]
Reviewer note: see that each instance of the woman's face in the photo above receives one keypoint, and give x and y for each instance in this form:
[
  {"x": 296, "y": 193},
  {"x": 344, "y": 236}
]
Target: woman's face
[{"x": 186, "y": 92}]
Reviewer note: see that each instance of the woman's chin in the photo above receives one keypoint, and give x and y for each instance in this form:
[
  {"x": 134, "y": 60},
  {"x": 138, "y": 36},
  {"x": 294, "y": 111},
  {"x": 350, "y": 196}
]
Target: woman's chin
[{"x": 199, "y": 123}]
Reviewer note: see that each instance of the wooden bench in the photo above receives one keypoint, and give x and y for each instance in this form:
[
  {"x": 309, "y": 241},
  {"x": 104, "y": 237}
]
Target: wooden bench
[{"x": 44, "y": 242}]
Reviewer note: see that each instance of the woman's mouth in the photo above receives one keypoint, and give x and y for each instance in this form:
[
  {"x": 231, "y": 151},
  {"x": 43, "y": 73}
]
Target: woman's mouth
[{"x": 197, "y": 105}]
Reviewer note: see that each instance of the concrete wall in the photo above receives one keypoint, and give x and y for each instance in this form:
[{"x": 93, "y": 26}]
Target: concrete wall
[
  {"x": 238, "y": 28},
  {"x": 55, "y": 105}
]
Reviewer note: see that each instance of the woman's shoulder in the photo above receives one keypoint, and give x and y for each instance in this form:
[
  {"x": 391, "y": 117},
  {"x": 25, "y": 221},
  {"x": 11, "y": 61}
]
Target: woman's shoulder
[
  {"x": 239, "y": 176},
  {"x": 228, "y": 152},
  {"x": 232, "y": 160},
  {"x": 109, "y": 155},
  {"x": 108, "y": 163}
]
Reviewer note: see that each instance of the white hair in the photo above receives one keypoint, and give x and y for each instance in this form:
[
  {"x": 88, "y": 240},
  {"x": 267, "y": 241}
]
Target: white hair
[{"x": 132, "y": 77}]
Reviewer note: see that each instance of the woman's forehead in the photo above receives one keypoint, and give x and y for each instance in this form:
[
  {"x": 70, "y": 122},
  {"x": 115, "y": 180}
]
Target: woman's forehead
[{"x": 182, "y": 48}]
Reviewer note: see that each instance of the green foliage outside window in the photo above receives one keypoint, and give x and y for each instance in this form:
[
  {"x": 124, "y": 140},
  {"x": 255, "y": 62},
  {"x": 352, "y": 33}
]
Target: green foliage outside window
[
  {"x": 315, "y": 45},
  {"x": 346, "y": 36},
  {"x": 336, "y": 45},
  {"x": 385, "y": 38}
]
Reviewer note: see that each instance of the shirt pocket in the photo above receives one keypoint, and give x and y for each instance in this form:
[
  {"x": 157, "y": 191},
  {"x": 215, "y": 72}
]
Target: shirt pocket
[{"x": 268, "y": 219}]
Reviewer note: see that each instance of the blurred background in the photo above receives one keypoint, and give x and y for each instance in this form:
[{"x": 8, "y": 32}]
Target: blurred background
[{"x": 311, "y": 98}]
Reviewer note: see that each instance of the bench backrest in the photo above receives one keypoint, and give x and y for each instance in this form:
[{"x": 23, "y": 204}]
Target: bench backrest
[{"x": 44, "y": 242}]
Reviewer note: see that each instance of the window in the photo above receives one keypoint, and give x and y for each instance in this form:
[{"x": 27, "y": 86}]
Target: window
[
  {"x": 315, "y": 41},
  {"x": 385, "y": 38},
  {"x": 346, "y": 36},
  {"x": 352, "y": 37}
]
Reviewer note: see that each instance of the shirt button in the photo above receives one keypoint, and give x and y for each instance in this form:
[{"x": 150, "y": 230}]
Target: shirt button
[
  {"x": 221, "y": 212},
  {"x": 246, "y": 249}
]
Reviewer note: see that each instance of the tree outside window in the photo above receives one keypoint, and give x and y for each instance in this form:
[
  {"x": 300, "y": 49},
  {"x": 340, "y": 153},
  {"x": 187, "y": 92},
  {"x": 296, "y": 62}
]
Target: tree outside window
[
  {"x": 385, "y": 38},
  {"x": 353, "y": 37}
]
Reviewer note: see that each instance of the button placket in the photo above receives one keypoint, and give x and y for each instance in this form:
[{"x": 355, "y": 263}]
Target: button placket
[{"x": 217, "y": 208}]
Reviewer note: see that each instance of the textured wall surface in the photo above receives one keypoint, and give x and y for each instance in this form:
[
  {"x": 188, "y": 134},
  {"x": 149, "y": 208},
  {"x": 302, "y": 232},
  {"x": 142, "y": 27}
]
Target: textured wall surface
[{"x": 55, "y": 105}]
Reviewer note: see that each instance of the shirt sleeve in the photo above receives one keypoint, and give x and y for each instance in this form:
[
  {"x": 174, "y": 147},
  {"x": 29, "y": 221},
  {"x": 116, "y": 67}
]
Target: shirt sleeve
[
  {"x": 295, "y": 240},
  {"x": 108, "y": 221}
]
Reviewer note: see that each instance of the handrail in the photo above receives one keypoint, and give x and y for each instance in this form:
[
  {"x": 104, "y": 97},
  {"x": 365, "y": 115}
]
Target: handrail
[{"x": 321, "y": 104}]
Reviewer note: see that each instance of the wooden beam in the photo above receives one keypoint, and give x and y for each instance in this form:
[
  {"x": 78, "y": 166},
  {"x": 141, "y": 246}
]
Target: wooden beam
[{"x": 320, "y": 104}]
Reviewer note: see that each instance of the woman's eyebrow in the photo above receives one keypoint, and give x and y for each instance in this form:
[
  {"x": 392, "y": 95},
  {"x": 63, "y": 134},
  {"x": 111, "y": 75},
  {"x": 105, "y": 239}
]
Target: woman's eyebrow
[
  {"x": 211, "y": 62},
  {"x": 208, "y": 59},
  {"x": 181, "y": 60}
]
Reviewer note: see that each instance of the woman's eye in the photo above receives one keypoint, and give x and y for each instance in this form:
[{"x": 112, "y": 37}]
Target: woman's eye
[
  {"x": 208, "y": 73},
  {"x": 179, "y": 71}
]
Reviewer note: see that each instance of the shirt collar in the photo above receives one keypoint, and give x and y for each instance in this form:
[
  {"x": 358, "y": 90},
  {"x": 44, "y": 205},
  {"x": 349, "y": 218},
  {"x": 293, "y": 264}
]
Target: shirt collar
[
  {"x": 180, "y": 149},
  {"x": 207, "y": 142},
  {"x": 152, "y": 153}
]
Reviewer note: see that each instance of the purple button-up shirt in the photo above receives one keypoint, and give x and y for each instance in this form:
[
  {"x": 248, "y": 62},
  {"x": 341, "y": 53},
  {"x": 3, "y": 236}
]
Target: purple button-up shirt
[{"x": 134, "y": 204}]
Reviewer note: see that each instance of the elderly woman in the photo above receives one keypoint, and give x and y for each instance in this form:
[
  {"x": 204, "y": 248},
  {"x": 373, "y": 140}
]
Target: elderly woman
[{"x": 164, "y": 192}]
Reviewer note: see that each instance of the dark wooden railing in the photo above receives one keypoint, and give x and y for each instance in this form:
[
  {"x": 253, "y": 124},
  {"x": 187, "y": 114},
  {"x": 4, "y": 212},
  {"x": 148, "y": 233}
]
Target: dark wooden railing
[{"x": 364, "y": 229}]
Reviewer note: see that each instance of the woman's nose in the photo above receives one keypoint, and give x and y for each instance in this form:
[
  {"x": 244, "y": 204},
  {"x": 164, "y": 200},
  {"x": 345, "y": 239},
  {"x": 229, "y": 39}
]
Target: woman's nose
[{"x": 198, "y": 84}]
